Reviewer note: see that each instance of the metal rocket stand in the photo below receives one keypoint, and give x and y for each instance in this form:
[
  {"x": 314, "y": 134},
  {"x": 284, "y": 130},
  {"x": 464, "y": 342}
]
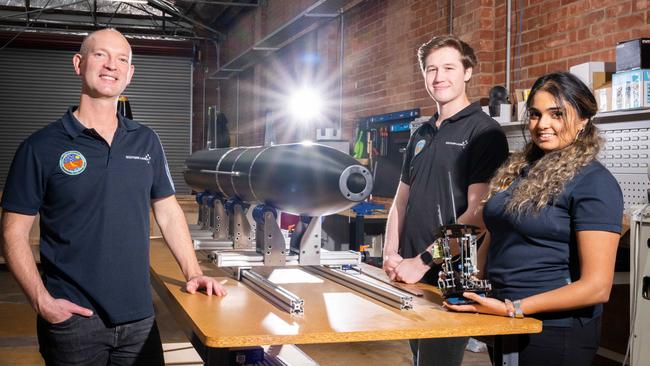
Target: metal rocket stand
[
  {"x": 213, "y": 227},
  {"x": 272, "y": 249}
]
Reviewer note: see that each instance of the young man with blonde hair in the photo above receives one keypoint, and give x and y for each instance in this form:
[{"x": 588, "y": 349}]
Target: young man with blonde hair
[{"x": 459, "y": 140}]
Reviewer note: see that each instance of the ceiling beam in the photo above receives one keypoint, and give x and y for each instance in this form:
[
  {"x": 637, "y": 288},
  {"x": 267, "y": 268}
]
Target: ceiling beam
[
  {"x": 227, "y": 3},
  {"x": 38, "y": 10},
  {"x": 163, "y": 5}
]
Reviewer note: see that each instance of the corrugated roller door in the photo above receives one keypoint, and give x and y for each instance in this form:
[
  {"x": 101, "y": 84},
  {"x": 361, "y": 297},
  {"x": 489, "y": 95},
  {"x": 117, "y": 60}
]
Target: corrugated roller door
[{"x": 37, "y": 86}]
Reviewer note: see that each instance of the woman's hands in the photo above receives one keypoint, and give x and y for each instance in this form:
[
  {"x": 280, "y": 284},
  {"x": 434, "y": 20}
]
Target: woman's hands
[{"x": 484, "y": 305}]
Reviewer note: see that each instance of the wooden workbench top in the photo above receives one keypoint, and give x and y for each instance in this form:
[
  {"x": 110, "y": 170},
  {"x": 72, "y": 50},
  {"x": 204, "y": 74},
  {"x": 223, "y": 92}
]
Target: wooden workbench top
[{"x": 333, "y": 313}]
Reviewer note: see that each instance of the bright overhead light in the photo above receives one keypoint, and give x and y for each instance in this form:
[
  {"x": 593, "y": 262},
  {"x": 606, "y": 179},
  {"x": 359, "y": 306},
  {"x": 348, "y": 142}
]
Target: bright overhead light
[{"x": 305, "y": 104}]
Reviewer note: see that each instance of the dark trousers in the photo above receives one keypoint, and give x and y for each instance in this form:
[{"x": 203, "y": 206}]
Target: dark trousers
[
  {"x": 88, "y": 341},
  {"x": 554, "y": 346}
]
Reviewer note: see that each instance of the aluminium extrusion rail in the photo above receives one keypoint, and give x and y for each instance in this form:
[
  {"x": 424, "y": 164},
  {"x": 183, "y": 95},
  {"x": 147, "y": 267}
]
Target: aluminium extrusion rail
[
  {"x": 386, "y": 294},
  {"x": 250, "y": 258},
  {"x": 211, "y": 244},
  {"x": 275, "y": 294}
]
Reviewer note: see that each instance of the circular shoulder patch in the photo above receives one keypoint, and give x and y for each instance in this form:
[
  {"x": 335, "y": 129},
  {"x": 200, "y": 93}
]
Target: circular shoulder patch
[
  {"x": 72, "y": 162},
  {"x": 419, "y": 146}
]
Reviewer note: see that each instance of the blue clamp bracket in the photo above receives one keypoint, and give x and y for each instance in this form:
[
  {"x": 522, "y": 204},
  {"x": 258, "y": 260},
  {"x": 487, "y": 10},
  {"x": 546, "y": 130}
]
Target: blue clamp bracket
[
  {"x": 199, "y": 197},
  {"x": 366, "y": 208},
  {"x": 230, "y": 204},
  {"x": 211, "y": 198},
  {"x": 260, "y": 210}
]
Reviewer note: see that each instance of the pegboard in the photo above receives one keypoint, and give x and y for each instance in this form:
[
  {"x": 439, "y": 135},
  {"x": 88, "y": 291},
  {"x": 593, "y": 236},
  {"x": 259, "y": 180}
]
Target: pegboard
[{"x": 626, "y": 152}]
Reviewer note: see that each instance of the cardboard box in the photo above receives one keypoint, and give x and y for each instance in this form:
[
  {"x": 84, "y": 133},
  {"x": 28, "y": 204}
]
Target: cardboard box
[
  {"x": 521, "y": 95},
  {"x": 604, "y": 97},
  {"x": 600, "y": 78},
  {"x": 633, "y": 55},
  {"x": 588, "y": 72},
  {"x": 631, "y": 89},
  {"x": 521, "y": 111}
]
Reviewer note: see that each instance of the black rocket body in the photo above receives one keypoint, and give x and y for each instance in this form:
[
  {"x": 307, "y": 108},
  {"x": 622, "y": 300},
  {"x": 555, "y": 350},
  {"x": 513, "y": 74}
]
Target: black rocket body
[{"x": 304, "y": 179}]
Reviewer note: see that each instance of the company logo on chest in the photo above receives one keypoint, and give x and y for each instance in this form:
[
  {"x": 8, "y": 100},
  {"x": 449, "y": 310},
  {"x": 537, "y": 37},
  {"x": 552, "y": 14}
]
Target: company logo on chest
[
  {"x": 462, "y": 144},
  {"x": 419, "y": 146},
  {"x": 146, "y": 157},
  {"x": 72, "y": 162}
]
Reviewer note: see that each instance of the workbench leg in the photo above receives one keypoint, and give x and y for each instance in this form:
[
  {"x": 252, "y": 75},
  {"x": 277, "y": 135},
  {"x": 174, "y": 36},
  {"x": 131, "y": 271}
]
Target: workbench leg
[
  {"x": 506, "y": 352},
  {"x": 210, "y": 356},
  {"x": 359, "y": 222}
]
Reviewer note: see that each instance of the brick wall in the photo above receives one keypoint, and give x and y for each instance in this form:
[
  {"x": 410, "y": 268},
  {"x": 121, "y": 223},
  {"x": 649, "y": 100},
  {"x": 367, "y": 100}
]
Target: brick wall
[
  {"x": 380, "y": 68},
  {"x": 381, "y": 38},
  {"x": 242, "y": 35},
  {"x": 559, "y": 33}
]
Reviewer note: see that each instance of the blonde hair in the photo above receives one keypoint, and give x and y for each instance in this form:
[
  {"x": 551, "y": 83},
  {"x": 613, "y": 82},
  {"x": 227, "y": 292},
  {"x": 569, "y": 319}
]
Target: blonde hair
[{"x": 543, "y": 176}]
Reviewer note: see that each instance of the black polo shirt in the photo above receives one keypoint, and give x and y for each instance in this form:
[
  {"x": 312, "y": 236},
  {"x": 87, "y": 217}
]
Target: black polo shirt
[
  {"x": 470, "y": 146},
  {"x": 530, "y": 254},
  {"x": 94, "y": 204}
]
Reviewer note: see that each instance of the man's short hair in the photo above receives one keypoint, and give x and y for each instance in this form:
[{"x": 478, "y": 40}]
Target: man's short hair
[{"x": 467, "y": 56}]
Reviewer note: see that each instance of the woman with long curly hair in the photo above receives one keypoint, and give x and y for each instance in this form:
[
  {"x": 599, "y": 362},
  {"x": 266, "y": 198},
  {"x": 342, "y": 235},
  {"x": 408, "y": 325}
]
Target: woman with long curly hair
[{"x": 554, "y": 220}]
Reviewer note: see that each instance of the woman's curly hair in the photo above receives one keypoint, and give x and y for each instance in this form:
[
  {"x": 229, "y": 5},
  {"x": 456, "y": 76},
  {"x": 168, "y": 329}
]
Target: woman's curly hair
[{"x": 548, "y": 173}]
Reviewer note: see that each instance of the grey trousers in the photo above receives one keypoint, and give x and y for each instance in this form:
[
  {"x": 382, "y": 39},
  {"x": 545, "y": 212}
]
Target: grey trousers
[{"x": 438, "y": 351}]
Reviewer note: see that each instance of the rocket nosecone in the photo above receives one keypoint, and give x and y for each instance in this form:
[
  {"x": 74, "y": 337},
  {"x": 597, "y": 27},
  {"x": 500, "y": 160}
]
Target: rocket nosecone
[{"x": 305, "y": 179}]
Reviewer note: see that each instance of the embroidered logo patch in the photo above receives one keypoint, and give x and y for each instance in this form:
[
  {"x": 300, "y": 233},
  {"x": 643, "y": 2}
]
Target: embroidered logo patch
[
  {"x": 419, "y": 146},
  {"x": 72, "y": 162}
]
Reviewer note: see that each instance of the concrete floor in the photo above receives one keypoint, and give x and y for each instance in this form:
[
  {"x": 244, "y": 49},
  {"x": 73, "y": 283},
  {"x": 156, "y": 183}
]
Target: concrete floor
[{"x": 19, "y": 346}]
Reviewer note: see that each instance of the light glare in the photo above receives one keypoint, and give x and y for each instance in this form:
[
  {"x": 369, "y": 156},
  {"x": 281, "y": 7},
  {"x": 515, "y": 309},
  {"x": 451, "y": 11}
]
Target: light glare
[{"x": 305, "y": 104}]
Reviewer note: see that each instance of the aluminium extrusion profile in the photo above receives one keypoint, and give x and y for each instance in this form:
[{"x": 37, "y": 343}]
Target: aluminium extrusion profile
[
  {"x": 211, "y": 244},
  {"x": 275, "y": 294},
  {"x": 201, "y": 234},
  {"x": 339, "y": 258},
  {"x": 251, "y": 258},
  {"x": 386, "y": 294}
]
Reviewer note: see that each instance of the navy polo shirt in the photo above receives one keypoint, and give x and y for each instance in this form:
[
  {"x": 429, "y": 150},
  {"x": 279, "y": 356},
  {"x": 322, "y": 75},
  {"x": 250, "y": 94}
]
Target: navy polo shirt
[
  {"x": 530, "y": 254},
  {"x": 94, "y": 204},
  {"x": 470, "y": 146}
]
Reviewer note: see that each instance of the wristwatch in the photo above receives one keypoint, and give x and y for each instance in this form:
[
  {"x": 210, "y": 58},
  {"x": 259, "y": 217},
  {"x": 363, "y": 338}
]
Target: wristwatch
[
  {"x": 518, "y": 312},
  {"x": 427, "y": 258},
  {"x": 431, "y": 257}
]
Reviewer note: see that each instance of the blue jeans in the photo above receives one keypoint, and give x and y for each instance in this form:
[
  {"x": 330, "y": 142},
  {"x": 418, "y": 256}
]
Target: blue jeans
[
  {"x": 438, "y": 351},
  {"x": 88, "y": 341}
]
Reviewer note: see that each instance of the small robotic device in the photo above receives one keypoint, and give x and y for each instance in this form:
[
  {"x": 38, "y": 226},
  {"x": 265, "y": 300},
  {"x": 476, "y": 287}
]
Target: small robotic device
[{"x": 459, "y": 272}]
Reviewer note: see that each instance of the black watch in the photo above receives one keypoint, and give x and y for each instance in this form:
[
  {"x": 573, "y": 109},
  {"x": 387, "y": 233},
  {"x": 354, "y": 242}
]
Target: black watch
[{"x": 427, "y": 258}]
